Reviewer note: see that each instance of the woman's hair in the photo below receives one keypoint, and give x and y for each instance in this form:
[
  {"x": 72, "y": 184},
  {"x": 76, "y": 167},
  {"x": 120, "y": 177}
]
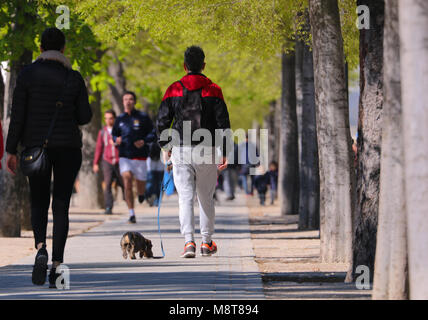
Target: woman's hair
[{"x": 52, "y": 39}]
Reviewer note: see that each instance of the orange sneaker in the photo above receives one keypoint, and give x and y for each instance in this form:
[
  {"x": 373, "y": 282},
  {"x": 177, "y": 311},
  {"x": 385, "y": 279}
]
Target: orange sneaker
[
  {"x": 189, "y": 250},
  {"x": 208, "y": 249}
]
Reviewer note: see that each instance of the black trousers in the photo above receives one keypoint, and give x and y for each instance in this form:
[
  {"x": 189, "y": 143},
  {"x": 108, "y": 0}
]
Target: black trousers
[
  {"x": 110, "y": 173},
  {"x": 65, "y": 164}
]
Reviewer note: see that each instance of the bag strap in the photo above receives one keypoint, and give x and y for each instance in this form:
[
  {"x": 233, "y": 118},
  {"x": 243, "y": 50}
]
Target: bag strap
[
  {"x": 59, "y": 104},
  {"x": 184, "y": 88}
]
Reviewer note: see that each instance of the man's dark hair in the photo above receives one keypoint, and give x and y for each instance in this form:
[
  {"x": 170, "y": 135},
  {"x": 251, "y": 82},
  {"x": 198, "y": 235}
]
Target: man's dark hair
[
  {"x": 52, "y": 39},
  {"x": 111, "y": 111},
  {"x": 273, "y": 163},
  {"x": 131, "y": 93},
  {"x": 194, "y": 58}
]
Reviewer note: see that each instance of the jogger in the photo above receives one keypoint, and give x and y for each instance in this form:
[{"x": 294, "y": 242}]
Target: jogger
[{"x": 132, "y": 131}]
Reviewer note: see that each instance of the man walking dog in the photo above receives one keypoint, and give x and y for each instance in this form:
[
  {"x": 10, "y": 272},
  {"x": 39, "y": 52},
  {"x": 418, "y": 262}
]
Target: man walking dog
[{"x": 197, "y": 101}]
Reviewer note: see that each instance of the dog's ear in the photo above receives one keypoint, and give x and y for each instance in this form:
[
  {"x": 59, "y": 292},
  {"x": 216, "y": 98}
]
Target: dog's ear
[
  {"x": 148, "y": 244},
  {"x": 130, "y": 238}
]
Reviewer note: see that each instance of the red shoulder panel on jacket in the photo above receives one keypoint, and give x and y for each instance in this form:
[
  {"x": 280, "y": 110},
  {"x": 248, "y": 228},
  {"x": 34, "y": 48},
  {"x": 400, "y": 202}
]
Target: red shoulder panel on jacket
[
  {"x": 212, "y": 90},
  {"x": 174, "y": 90}
]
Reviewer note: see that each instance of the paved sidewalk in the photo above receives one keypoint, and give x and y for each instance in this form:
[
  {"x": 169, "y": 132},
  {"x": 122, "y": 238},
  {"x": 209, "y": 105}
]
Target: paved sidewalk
[
  {"x": 98, "y": 270},
  {"x": 289, "y": 259}
]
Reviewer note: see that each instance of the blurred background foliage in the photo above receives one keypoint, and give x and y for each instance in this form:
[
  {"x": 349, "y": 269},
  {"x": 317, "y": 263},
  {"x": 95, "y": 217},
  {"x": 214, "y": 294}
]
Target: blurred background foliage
[{"x": 243, "y": 41}]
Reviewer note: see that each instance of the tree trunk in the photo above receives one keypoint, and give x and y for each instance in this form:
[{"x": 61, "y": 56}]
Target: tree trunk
[
  {"x": 334, "y": 138},
  {"x": 278, "y": 130},
  {"x": 90, "y": 194},
  {"x": 390, "y": 273},
  {"x": 14, "y": 190},
  {"x": 308, "y": 162},
  {"x": 299, "y": 100},
  {"x": 413, "y": 16},
  {"x": 115, "y": 70},
  {"x": 369, "y": 138},
  {"x": 272, "y": 138},
  {"x": 289, "y": 165},
  {"x": 1, "y": 95}
]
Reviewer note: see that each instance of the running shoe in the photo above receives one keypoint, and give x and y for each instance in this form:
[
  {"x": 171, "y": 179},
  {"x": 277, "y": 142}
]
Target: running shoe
[
  {"x": 132, "y": 219},
  {"x": 208, "y": 249},
  {"x": 189, "y": 250}
]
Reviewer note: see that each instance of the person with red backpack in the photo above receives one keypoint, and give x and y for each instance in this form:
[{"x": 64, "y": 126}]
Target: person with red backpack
[{"x": 191, "y": 104}]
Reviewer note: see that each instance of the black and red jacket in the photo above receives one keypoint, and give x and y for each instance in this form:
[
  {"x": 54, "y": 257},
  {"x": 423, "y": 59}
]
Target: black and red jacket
[{"x": 214, "y": 114}]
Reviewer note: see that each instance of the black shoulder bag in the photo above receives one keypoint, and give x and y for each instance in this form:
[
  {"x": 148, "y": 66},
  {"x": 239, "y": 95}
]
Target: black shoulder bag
[{"x": 34, "y": 160}]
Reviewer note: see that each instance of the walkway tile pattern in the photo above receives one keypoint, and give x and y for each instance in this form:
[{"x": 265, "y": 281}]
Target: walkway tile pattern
[{"x": 98, "y": 270}]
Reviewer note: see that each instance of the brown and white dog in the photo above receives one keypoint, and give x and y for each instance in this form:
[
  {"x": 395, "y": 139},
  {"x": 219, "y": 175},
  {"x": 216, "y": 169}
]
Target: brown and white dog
[{"x": 133, "y": 242}]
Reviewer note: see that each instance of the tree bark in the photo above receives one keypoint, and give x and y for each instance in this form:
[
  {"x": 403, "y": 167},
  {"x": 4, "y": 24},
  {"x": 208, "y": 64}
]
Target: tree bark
[
  {"x": 115, "y": 70},
  {"x": 299, "y": 100},
  {"x": 1, "y": 95},
  {"x": 14, "y": 190},
  {"x": 369, "y": 138},
  {"x": 289, "y": 165},
  {"x": 278, "y": 130},
  {"x": 333, "y": 133},
  {"x": 413, "y": 16},
  {"x": 90, "y": 194},
  {"x": 308, "y": 161},
  {"x": 390, "y": 273},
  {"x": 272, "y": 138}
]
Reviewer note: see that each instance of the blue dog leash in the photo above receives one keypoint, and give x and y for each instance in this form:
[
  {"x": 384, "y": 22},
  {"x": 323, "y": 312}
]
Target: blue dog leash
[{"x": 164, "y": 187}]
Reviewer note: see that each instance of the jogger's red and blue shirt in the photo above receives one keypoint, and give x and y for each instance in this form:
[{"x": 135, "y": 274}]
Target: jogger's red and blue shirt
[
  {"x": 173, "y": 110},
  {"x": 131, "y": 128}
]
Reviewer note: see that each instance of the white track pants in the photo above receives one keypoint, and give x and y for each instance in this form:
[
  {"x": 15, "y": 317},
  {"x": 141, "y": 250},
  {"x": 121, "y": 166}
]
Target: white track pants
[{"x": 191, "y": 175}]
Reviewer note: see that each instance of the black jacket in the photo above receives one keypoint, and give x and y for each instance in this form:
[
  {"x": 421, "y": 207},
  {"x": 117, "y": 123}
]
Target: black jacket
[
  {"x": 137, "y": 126},
  {"x": 37, "y": 90},
  {"x": 214, "y": 112}
]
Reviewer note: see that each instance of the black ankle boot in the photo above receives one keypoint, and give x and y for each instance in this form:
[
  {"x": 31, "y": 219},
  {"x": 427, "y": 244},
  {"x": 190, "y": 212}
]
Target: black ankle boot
[
  {"x": 40, "y": 267},
  {"x": 52, "y": 277}
]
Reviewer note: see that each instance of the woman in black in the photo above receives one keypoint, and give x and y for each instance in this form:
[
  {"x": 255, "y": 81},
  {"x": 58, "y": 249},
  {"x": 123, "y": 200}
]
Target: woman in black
[{"x": 33, "y": 106}]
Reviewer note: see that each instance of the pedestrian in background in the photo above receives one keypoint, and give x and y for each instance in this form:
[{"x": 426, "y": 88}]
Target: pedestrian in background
[
  {"x": 272, "y": 176},
  {"x": 246, "y": 152},
  {"x": 261, "y": 182},
  {"x": 230, "y": 176},
  {"x": 155, "y": 171},
  {"x": 109, "y": 153}
]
